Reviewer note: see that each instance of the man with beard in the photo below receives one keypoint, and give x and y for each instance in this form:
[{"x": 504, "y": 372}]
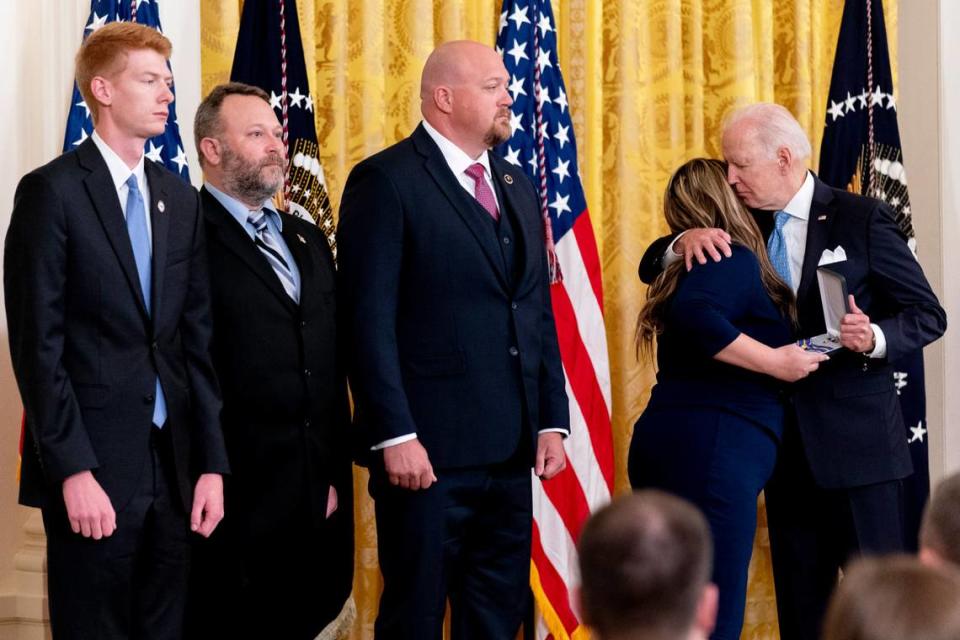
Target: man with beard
[
  {"x": 453, "y": 355},
  {"x": 281, "y": 567}
]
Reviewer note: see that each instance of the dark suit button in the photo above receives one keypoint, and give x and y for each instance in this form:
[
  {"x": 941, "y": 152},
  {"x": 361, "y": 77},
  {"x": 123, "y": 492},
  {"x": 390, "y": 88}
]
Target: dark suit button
[
  {"x": 147, "y": 399},
  {"x": 506, "y": 239},
  {"x": 306, "y": 372},
  {"x": 514, "y": 351},
  {"x": 514, "y": 305},
  {"x": 306, "y": 423},
  {"x": 154, "y": 346}
]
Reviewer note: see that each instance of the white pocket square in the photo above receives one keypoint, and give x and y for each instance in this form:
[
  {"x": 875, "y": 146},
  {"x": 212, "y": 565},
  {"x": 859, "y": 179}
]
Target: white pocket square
[{"x": 831, "y": 257}]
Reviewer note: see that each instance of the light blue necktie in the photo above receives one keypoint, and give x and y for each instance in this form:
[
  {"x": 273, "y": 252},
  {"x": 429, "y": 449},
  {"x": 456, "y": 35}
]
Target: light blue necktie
[
  {"x": 140, "y": 241},
  {"x": 272, "y": 252},
  {"x": 777, "y": 248}
]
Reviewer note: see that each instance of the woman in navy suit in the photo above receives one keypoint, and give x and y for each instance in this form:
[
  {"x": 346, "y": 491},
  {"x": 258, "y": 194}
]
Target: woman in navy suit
[{"x": 724, "y": 334}]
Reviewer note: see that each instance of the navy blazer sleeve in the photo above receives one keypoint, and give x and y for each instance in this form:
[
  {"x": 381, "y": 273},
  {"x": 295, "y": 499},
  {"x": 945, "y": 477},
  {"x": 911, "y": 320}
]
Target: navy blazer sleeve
[
  {"x": 34, "y": 282},
  {"x": 370, "y": 236},
  {"x": 711, "y": 296},
  {"x": 910, "y": 315}
]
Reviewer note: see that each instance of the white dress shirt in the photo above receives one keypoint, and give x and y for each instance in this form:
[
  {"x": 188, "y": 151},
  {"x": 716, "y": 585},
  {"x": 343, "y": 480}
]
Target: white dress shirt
[{"x": 119, "y": 172}]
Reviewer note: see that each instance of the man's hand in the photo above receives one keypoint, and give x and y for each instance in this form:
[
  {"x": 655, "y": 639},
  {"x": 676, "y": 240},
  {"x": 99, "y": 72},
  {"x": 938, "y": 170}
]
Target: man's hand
[
  {"x": 856, "y": 333},
  {"x": 331, "y": 501},
  {"x": 408, "y": 465},
  {"x": 207, "y": 509},
  {"x": 88, "y": 506},
  {"x": 551, "y": 458},
  {"x": 700, "y": 243}
]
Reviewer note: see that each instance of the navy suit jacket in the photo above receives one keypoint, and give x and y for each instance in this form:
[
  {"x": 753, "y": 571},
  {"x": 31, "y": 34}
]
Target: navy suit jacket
[
  {"x": 848, "y": 412},
  {"x": 85, "y": 351},
  {"x": 443, "y": 341}
]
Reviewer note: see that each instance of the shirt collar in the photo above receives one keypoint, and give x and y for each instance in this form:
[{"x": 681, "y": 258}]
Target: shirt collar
[
  {"x": 240, "y": 211},
  {"x": 119, "y": 171},
  {"x": 799, "y": 205},
  {"x": 456, "y": 158}
]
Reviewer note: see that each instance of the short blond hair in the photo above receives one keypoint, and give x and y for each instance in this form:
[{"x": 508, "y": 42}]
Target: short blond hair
[
  {"x": 104, "y": 53},
  {"x": 774, "y": 127}
]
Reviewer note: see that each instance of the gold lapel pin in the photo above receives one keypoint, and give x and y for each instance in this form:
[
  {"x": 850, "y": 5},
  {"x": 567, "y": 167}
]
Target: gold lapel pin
[
  {"x": 821, "y": 218},
  {"x": 508, "y": 178},
  {"x": 301, "y": 239},
  {"x": 161, "y": 206}
]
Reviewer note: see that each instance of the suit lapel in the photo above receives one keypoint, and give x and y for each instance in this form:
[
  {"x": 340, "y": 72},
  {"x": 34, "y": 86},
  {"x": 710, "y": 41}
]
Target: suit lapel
[
  {"x": 232, "y": 236},
  {"x": 822, "y": 216},
  {"x": 297, "y": 244},
  {"x": 103, "y": 194},
  {"x": 462, "y": 203},
  {"x": 160, "y": 223}
]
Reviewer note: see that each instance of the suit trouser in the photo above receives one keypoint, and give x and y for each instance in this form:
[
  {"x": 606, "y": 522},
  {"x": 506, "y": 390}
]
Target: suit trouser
[
  {"x": 815, "y": 531},
  {"x": 468, "y": 538},
  {"x": 719, "y": 462},
  {"x": 132, "y": 583}
]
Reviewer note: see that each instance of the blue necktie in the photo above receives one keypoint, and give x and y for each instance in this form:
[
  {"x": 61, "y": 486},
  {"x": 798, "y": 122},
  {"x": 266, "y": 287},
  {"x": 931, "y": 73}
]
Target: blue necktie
[
  {"x": 272, "y": 252},
  {"x": 777, "y": 248},
  {"x": 140, "y": 241}
]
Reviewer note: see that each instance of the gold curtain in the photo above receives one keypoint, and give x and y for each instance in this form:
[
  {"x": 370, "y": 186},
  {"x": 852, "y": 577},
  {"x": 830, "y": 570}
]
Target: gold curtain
[{"x": 649, "y": 83}]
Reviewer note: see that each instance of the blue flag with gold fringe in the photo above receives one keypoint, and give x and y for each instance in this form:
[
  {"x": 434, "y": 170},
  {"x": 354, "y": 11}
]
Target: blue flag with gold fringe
[
  {"x": 269, "y": 55},
  {"x": 861, "y": 152},
  {"x": 165, "y": 149}
]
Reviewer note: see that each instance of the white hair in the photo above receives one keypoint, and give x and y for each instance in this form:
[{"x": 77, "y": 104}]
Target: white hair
[{"x": 774, "y": 127}]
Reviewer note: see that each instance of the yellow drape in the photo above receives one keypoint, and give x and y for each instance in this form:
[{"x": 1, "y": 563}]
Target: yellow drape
[{"x": 649, "y": 83}]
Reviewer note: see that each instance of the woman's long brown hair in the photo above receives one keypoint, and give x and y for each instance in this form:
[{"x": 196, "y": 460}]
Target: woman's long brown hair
[{"x": 698, "y": 196}]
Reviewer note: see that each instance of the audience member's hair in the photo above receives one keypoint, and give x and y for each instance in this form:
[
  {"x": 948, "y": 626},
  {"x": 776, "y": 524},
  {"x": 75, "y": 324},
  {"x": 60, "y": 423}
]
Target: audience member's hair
[
  {"x": 104, "y": 53},
  {"x": 206, "y": 123},
  {"x": 895, "y": 598},
  {"x": 645, "y": 561},
  {"x": 940, "y": 531}
]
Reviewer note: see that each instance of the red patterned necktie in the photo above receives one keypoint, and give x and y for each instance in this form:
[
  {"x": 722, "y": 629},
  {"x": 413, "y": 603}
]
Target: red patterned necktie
[{"x": 482, "y": 191}]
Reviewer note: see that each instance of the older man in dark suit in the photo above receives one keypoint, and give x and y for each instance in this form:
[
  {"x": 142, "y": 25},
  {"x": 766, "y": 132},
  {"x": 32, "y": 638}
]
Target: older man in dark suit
[
  {"x": 107, "y": 298},
  {"x": 281, "y": 566},
  {"x": 836, "y": 490},
  {"x": 454, "y": 361}
]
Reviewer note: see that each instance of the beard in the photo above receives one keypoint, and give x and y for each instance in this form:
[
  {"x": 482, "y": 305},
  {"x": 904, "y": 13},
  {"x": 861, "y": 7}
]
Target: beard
[
  {"x": 248, "y": 180},
  {"x": 498, "y": 133}
]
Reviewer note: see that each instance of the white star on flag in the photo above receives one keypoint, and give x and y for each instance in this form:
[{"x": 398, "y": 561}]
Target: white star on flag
[
  {"x": 836, "y": 110},
  {"x": 544, "y": 25},
  {"x": 83, "y": 136},
  {"x": 544, "y": 96},
  {"x": 275, "y": 101},
  {"x": 83, "y": 103},
  {"x": 180, "y": 159},
  {"x": 562, "y": 170},
  {"x": 503, "y": 22},
  {"x": 519, "y": 16},
  {"x": 96, "y": 22},
  {"x": 877, "y": 97},
  {"x": 516, "y": 123},
  {"x": 518, "y": 52},
  {"x": 850, "y": 102},
  {"x": 296, "y": 98},
  {"x": 533, "y": 161},
  {"x": 561, "y": 100},
  {"x": 153, "y": 153},
  {"x": 891, "y": 104},
  {"x": 561, "y": 136},
  {"x": 516, "y": 87},
  {"x": 543, "y": 59},
  {"x": 308, "y": 103},
  {"x": 917, "y": 433},
  {"x": 513, "y": 156},
  {"x": 560, "y": 204}
]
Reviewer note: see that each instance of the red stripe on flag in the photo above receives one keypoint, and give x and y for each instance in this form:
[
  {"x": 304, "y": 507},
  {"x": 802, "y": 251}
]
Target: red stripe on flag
[
  {"x": 583, "y": 381},
  {"x": 566, "y": 494},
  {"x": 587, "y": 242},
  {"x": 553, "y": 585}
]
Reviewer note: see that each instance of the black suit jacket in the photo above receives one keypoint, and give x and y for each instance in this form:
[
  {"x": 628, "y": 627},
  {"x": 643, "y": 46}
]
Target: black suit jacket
[
  {"x": 85, "y": 351},
  {"x": 444, "y": 342},
  {"x": 285, "y": 410},
  {"x": 848, "y": 411}
]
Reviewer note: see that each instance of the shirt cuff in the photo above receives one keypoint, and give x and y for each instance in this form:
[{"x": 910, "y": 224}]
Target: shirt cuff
[
  {"x": 565, "y": 432},
  {"x": 670, "y": 256},
  {"x": 392, "y": 441},
  {"x": 880, "y": 344}
]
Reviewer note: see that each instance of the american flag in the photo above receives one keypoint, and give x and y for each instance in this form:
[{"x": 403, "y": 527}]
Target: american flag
[
  {"x": 542, "y": 143},
  {"x": 166, "y": 149}
]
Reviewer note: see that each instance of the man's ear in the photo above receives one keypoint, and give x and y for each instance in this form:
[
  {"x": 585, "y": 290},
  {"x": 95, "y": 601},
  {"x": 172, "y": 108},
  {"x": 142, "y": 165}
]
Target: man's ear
[
  {"x": 784, "y": 160},
  {"x": 210, "y": 150},
  {"x": 706, "y": 618},
  {"x": 443, "y": 99},
  {"x": 102, "y": 90}
]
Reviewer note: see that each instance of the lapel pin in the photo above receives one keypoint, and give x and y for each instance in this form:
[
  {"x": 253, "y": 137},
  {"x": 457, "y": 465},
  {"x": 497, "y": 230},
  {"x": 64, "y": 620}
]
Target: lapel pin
[
  {"x": 161, "y": 206},
  {"x": 508, "y": 178},
  {"x": 821, "y": 218},
  {"x": 301, "y": 239}
]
